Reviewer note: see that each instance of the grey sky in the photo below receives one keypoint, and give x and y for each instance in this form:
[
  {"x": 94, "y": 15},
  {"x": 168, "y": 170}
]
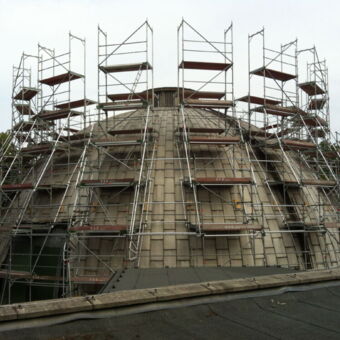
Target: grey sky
[{"x": 25, "y": 23}]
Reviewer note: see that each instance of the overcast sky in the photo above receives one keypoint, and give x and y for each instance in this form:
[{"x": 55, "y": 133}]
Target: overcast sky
[{"x": 24, "y": 23}]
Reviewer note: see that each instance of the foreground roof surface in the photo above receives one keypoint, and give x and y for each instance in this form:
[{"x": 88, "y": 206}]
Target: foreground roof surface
[
  {"x": 271, "y": 304},
  {"x": 309, "y": 314}
]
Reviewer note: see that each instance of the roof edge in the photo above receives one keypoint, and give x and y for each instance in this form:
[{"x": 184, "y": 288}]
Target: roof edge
[{"x": 126, "y": 298}]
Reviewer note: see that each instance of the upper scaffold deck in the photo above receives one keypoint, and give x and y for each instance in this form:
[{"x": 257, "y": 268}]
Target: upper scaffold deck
[
  {"x": 126, "y": 67},
  {"x": 75, "y": 104},
  {"x": 61, "y": 78},
  {"x": 127, "y": 96},
  {"x": 258, "y": 100},
  {"x": 26, "y": 93},
  {"x": 202, "y": 65},
  {"x": 311, "y": 88},
  {"x": 273, "y": 74},
  {"x": 58, "y": 114},
  {"x": 279, "y": 110}
]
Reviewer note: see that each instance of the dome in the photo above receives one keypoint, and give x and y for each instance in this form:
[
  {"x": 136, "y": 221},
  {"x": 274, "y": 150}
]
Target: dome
[{"x": 170, "y": 187}]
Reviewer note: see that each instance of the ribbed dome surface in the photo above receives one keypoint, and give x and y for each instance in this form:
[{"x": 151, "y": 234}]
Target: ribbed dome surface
[
  {"x": 168, "y": 232},
  {"x": 205, "y": 197}
]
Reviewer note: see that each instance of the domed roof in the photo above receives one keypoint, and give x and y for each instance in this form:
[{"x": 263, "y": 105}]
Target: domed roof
[
  {"x": 183, "y": 187},
  {"x": 189, "y": 189}
]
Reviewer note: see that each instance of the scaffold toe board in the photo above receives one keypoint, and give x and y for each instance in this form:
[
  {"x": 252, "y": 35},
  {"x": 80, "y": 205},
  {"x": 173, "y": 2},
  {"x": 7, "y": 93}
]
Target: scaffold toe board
[
  {"x": 202, "y": 65},
  {"x": 101, "y": 229},
  {"x": 311, "y": 88},
  {"x": 108, "y": 183},
  {"x": 258, "y": 100},
  {"x": 58, "y": 114},
  {"x": 221, "y": 181},
  {"x": 108, "y": 142},
  {"x": 273, "y": 74},
  {"x": 120, "y": 106},
  {"x": 214, "y": 141},
  {"x": 278, "y": 110},
  {"x": 61, "y": 78},
  {"x": 203, "y": 94},
  {"x": 26, "y": 93},
  {"x": 317, "y": 104},
  {"x": 199, "y": 103},
  {"x": 130, "y": 131},
  {"x": 126, "y": 67},
  {"x": 24, "y": 109},
  {"x": 76, "y": 103},
  {"x": 17, "y": 187},
  {"x": 202, "y": 130},
  {"x": 127, "y": 96}
]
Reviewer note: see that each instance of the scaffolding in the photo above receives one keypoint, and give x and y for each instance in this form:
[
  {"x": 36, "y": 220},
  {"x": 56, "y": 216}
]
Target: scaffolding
[
  {"x": 288, "y": 131},
  {"x": 49, "y": 128},
  {"x": 111, "y": 211},
  {"x": 165, "y": 177},
  {"x": 205, "y": 73},
  {"x": 125, "y": 72},
  {"x": 215, "y": 177}
]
